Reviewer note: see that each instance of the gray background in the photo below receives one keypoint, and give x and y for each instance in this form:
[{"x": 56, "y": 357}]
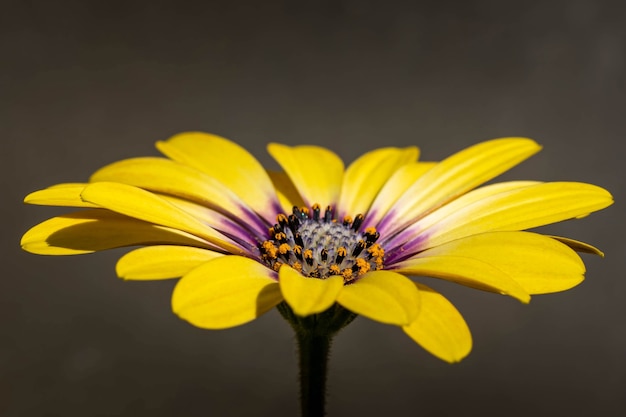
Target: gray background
[{"x": 85, "y": 83}]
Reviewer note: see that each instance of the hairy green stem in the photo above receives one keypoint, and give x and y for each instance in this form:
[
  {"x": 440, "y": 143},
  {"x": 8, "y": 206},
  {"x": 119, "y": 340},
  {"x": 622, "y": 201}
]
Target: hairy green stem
[
  {"x": 314, "y": 335},
  {"x": 314, "y": 351}
]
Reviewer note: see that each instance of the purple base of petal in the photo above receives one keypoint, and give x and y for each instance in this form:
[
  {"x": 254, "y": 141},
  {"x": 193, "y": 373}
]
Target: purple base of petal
[{"x": 403, "y": 246}]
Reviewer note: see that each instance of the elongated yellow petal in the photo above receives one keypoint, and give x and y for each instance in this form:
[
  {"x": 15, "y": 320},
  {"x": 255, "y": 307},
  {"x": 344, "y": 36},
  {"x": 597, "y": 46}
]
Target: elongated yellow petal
[
  {"x": 287, "y": 193},
  {"x": 94, "y": 230},
  {"x": 383, "y": 296},
  {"x": 226, "y": 292},
  {"x": 162, "y": 262},
  {"x": 227, "y": 162},
  {"x": 144, "y": 205},
  {"x": 456, "y": 175},
  {"x": 215, "y": 220},
  {"x": 579, "y": 246},
  {"x": 399, "y": 182},
  {"x": 538, "y": 263},
  {"x": 168, "y": 177},
  {"x": 316, "y": 172},
  {"x": 365, "y": 177},
  {"x": 421, "y": 227},
  {"x": 63, "y": 195},
  {"x": 439, "y": 327},
  {"x": 67, "y": 184},
  {"x": 307, "y": 295},
  {"x": 465, "y": 271},
  {"x": 520, "y": 209}
]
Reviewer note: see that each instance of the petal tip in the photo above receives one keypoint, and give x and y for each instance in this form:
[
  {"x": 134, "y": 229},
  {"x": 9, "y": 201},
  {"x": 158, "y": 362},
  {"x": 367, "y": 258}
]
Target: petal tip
[
  {"x": 29, "y": 197},
  {"x": 455, "y": 357}
]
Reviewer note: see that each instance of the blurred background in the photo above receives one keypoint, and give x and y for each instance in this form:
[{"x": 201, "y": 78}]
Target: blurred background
[{"x": 86, "y": 83}]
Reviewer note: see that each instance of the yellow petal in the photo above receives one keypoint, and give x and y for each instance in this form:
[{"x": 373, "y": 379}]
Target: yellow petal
[
  {"x": 215, "y": 220},
  {"x": 520, "y": 209},
  {"x": 455, "y": 176},
  {"x": 412, "y": 233},
  {"x": 144, "y": 205},
  {"x": 465, "y": 271},
  {"x": 383, "y": 296},
  {"x": 226, "y": 292},
  {"x": 168, "y": 177},
  {"x": 439, "y": 327},
  {"x": 286, "y": 191},
  {"x": 227, "y": 162},
  {"x": 162, "y": 262},
  {"x": 365, "y": 177},
  {"x": 399, "y": 182},
  {"x": 64, "y": 195},
  {"x": 316, "y": 172},
  {"x": 579, "y": 246},
  {"x": 67, "y": 184},
  {"x": 307, "y": 295},
  {"x": 94, "y": 230},
  {"x": 538, "y": 263}
]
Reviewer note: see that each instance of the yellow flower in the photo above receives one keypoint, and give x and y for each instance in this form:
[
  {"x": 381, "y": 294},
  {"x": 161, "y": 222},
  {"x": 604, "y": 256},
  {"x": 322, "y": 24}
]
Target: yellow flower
[{"x": 245, "y": 239}]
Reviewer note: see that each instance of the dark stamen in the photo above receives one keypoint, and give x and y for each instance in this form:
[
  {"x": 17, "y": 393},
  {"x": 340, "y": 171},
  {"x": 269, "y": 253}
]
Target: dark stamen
[
  {"x": 281, "y": 237},
  {"x": 341, "y": 254},
  {"x": 328, "y": 214},
  {"x": 282, "y": 220},
  {"x": 294, "y": 222},
  {"x": 308, "y": 257},
  {"x": 358, "y": 248},
  {"x": 297, "y": 250},
  {"x": 371, "y": 235},
  {"x": 358, "y": 220},
  {"x": 300, "y": 213},
  {"x": 316, "y": 211},
  {"x": 298, "y": 239}
]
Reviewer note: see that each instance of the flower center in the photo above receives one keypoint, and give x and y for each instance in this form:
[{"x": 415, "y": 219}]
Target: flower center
[{"x": 320, "y": 246}]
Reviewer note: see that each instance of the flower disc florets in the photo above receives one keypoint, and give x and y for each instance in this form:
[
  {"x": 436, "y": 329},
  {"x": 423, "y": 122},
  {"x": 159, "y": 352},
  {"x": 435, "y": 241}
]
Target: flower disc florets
[{"x": 320, "y": 246}]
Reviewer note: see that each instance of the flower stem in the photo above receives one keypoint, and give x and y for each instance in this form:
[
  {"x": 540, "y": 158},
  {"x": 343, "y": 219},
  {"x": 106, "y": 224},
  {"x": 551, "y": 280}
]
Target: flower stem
[
  {"x": 314, "y": 334},
  {"x": 314, "y": 351}
]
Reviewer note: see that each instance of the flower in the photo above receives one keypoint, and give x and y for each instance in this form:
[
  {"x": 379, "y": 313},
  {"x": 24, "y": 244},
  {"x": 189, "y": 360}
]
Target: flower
[{"x": 315, "y": 235}]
